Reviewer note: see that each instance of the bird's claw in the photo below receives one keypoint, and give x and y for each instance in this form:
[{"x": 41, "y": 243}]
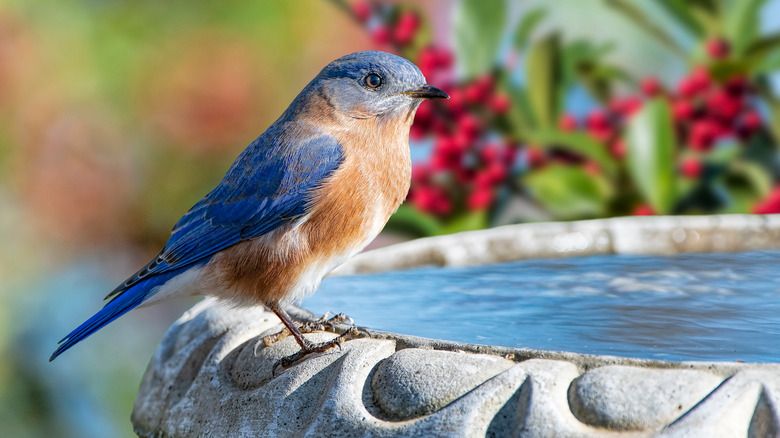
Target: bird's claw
[
  {"x": 320, "y": 347},
  {"x": 327, "y": 323}
]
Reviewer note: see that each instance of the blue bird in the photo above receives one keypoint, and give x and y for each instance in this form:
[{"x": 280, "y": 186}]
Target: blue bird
[{"x": 310, "y": 192}]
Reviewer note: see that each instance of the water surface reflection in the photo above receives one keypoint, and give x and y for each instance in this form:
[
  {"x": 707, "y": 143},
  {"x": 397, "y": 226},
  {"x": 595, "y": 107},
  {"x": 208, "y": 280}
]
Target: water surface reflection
[{"x": 686, "y": 307}]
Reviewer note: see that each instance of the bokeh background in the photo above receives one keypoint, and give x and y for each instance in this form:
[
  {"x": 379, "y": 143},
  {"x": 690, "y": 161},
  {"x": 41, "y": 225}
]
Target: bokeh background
[{"x": 116, "y": 116}]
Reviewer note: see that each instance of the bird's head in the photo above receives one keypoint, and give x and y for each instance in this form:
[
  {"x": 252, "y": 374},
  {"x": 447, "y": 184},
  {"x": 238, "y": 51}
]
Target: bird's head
[{"x": 374, "y": 84}]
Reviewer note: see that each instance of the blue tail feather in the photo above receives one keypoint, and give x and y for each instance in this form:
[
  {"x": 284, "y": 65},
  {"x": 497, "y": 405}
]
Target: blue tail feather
[{"x": 117, "y": 307}]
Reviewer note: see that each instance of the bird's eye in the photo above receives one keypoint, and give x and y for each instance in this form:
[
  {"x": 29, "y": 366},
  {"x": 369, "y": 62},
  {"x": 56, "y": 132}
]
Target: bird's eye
[{"x": 373, "y": 80}]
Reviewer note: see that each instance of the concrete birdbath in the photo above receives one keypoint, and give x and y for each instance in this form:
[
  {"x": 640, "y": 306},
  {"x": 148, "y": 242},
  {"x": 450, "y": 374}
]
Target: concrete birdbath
[{"x": 660, "y": 326}]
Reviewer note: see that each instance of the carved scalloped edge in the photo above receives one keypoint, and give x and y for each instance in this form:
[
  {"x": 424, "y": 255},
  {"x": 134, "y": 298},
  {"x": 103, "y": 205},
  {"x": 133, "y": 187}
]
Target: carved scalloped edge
[{"x": 190, "y": 388}]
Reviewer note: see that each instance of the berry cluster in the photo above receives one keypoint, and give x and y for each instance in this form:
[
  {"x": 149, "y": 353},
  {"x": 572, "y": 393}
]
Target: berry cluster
[
  {"x": 467, "y": 166},
  {"x": 472, "y": 158},
  {"x": 469, "y": 162},
  {"x": 387, "y": 26},
  {"x": 705, "y": 112}
]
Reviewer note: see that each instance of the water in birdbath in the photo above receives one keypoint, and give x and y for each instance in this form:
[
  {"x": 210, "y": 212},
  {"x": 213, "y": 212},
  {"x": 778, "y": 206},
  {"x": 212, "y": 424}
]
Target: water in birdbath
[{"x": 686, "y": 307}]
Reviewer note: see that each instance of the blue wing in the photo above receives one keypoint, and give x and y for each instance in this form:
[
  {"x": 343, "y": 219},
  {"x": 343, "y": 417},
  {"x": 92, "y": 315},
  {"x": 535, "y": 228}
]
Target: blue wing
[{"x": 270, "y": 184}]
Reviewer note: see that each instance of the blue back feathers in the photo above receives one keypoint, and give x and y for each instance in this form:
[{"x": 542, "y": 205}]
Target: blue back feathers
[{"x": 269, "y": 185}]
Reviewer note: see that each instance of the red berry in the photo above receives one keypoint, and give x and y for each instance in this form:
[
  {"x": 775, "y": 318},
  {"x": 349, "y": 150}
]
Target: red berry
[
  {"x": 602, "y": 134},
  {"x": 643, "y": 210},
  {"x": 457, "y": 101},
  {"x": 702, "y": 135},
  {"x": 625, "y": 106},
  {"x": 510, "y": 155},
  {"x": 567, "y": 123},
  {"x": 500, "y": 103},
  {"x": 428, "y": 61},
  {"x": 444, "y": 58},
  {"x": 421, "y": 172},
  {"x": 618, "y": 148},
  {"x": 443, "y": 205},
  {"x": 737, "y": 85},
  {"x": 381, "y": 34},
  {"x": 469, "y": 125},
  {"x": 650, "y": 86},
  {"x": 406, "y": 28},
  {"x": 592, "y": 168},
  {"x": 424, "y": 198},
  {"x": 770, "y": 205},
  {"x": 698, "y": 81},
  {"x": 465, "y": 175},
  {"x": 479, "y": 91},
  {"x": 701, "y": 78},
  {"x": 534, "y": 156},
  {"x": 686, "y": 87},
  {"x": 480, "y": 199},
  {"x": 497, "y": 172},
  {"x": 597, "y": 119},
  {"x": 490, "y": 153},
  {"x": 683, "y": 111},
  {"x": 447, "y": 154},
  {"x": 718, "y": 48},
  {"x": 752, "y": 121},
  {"x": 485, "y": 83},
  {"x": 723, "y": 105},
  {"x": 362, "y": 10},
  {"x": 691, "y": 168}
]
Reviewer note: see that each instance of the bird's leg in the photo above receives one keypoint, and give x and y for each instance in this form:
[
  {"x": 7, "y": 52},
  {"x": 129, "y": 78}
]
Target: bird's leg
[{"x": 308, "y": 347}]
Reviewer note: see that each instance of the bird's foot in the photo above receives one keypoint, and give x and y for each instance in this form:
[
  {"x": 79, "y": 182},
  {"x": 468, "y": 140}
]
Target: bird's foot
[
  {"x": 319, "y": 347},
  {"x": 327, "y": 322}
]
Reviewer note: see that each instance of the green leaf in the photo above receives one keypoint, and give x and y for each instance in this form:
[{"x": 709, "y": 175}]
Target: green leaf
[
  {"x": 544, "y": 74},
  {"x": 757, "y": 178},
  {"x": 478, "y": 28},
  {"x": 409, "y": 220},
  {"x": 743, "y": 24},
  {"x": 772, "y": 105},
  {"x": 762, "y": 50},
  {"x": 580, "y": 143},
  {"x": 520, "y": 115},
  {"x": 526, "y": 26},
  {"x": 629, "y": 9},
  {"x": 680, "y": 11},
  {"x": 569, "y": 192},
  {"x": 599, "y": 79},
  {"x": 740, "y": 200},
  {"x": 768, "y": 64},
  {"x": 723, "y": 154},
  {"x": 650, "y": 155},
  {"x": 468, "y": 221}
]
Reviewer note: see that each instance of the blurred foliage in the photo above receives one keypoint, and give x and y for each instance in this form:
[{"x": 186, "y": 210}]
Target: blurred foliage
[
  {"x": 506, "y": 133},
  {"x": 115, "y": 118}
]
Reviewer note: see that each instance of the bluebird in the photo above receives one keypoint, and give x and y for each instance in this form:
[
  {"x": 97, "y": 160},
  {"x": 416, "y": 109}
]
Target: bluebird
[{"x": 310, "y": 192}]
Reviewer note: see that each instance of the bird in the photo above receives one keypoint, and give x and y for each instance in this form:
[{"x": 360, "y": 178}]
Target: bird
[{"x": 310, "y": 192}]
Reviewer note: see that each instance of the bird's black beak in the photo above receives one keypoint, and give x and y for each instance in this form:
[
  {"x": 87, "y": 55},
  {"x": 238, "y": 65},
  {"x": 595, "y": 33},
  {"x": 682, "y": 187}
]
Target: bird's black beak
[{"x": 427, "y": 92}]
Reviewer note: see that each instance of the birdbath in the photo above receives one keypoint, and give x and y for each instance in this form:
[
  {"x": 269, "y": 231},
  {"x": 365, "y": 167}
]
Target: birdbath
[{"x": 212, "y": 376}]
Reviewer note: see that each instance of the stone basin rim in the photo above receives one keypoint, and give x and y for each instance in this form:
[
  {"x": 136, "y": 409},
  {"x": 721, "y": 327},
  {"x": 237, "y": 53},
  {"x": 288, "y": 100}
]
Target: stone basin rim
[
  {"x": 634, "y": 235},
  {"x": 584, "y": 361}
]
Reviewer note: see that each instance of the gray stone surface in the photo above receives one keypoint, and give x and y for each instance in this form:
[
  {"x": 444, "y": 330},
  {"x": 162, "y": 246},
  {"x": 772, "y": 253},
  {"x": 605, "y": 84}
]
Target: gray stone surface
[
  {"x": 212, "y": 376},
  {"x": 653, "y": 235},
  {"x": 416, "y": 382},
  {"x": 608, "y": 397}
]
